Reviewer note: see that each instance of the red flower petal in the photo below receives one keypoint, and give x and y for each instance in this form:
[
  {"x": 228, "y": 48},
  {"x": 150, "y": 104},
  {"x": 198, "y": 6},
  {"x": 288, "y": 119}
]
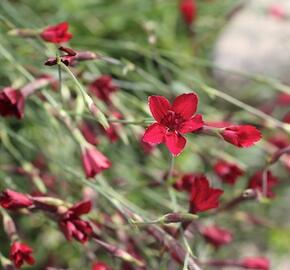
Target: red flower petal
[
  {"x": 203, "y": 197},
  {"x": 191, "y": 125},
  {"x": 217, "y": 236},
  {"x": 185, "y": 105},
  {"x": 62, "y": 27},
  {"x": 159, "y": 107},
  {"x": 188, "y": 9},
  {"x": 260, "y": 263},
  {"x": 56, "y": 33},
  {"x": 241, "y": 136},
  {"x": 154, "y": 134},
  {"x": 81, "y": 208},
  {"x": 100, "y": 266},
  {"x": 175, "y": 142}
]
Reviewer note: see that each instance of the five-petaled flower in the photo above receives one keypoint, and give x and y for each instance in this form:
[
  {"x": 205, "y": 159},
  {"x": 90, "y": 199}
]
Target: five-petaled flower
[
  {"x": 94, "y": 162},
  {"x": 56, "y": 33},
  {"x": 216, "y": 236},
  {"x": 103, "y": 87},
  {"x": 12, "y": 102},
  {"x": 20, "y": 253},
  {"x": 256, "y": 182},
  {"x": 172, "y": 121},
  {"x": 257, "y": 263},
  {"x": 241, "y": 136},
  {"x": 228, "y": 172},
  {"x": 12, "y": 200},
  {"x": 188, "y": 10},
  {"x": 202, "y": 196},
  {"x": 73, "y": 226}
]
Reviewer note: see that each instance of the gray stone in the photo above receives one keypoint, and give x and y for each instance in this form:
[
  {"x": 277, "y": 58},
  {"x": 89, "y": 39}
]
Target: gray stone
[{"x": 254, "y": 42}]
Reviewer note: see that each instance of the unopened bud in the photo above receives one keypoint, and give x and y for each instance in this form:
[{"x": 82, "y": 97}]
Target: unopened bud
[{"x": 178, "y": 217}]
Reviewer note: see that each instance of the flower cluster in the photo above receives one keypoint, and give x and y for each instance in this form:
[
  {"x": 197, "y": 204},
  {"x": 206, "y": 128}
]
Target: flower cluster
[{"x": 94, "y": 111}]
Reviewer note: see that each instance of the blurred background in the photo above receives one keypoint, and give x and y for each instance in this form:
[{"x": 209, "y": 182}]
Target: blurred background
[{"x": 233, "y": 50}]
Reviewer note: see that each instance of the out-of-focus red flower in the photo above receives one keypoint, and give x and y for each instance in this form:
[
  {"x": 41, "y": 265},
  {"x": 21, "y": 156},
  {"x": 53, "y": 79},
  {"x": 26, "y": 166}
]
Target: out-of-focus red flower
[
  {"x": 277, "y": 11},
  {"x": 73, "y": 226},
  {"x": 12, "y": 200},
  {"x": 101, "y": 266},
  {"x": 228, "y": 172},
  {"x": 94, "y": 162},
  {"x": 188, "y": 10},
  {"x": 21, "y": 253},
  {"x": 172, "y": 121},
  {"x": 202, "y": 196},
  {"x": 241, "y": 136},
  {"x": 68, "y": 58},
  {"x": 280, "y": 140},
  {"x": 286, "y": 118},
  {"x": 112, "y": 131},
  {"x": 89, "y": 133},
  {"x": 12, "y": 102},
  {"x": 258, "y": 263},
  {"x": 103, "y": 87},
  {"x": 185, "y": 182},
  {"x": 256, "y": 182},
  {"x": 216, "y": 236},
  {"x": 56, "y": 33},
  {"x": 283, "y": 99}
]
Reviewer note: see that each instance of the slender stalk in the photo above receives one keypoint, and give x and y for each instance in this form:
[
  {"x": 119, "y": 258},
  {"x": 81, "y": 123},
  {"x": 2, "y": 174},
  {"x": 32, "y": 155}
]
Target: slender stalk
[
  {"x": 171, "y": 191},
  {"x": 88, "y": 100}
]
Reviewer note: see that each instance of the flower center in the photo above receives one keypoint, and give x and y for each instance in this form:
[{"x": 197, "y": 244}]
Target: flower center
[{"x": 172, "y": 120}]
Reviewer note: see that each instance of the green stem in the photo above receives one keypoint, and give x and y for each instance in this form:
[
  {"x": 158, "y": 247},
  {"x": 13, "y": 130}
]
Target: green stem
[
  {"x": 168, "y": 181},
  {"x": 88, "y": 100},
  {"x": 272, "y": 122}
]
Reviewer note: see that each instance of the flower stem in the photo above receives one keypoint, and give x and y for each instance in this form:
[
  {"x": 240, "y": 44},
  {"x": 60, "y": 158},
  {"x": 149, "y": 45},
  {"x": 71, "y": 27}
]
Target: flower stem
[{"x": 88, "y": 100}]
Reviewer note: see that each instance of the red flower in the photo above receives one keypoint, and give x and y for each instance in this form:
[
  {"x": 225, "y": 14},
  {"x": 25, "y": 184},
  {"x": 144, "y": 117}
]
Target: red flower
[
  {"x": 100, "y": 266},
  {"x": 94, "y": 162},
  {"x": 69, "y": 58},
  {"x": 241, "y": 136},
  {"x": 103, "y": 87},
  {"x": 20, "y": 253},
  {"x": 56, "y": 33},
  {"x": 12, "y": 200},
  {"x": 12, "y": 102},
  {"x": 172, "y": 121},
  {"x": 188, "y": 9},
  {"x": 217, "y": 236},
  {"x": 185, "y": 182},
  {"x": 283, "y": 99},
  {"x": 258, "y": 263},
  {"x": 89, "y": 133},
  {"x": 112, "y": 132},
  {"x": 280, "y": 140},
  {"x": 74, "y": 227},
  {"x": 228, "y": 172},
  {"x": 256, "y": 182},
  {"x": 202, "y": 196}
]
